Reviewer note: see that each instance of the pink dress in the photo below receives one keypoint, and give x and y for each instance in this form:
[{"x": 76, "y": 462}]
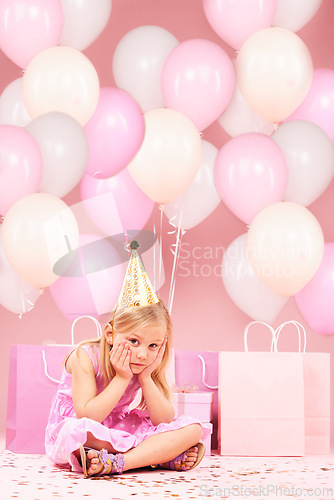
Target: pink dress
[{"x": 123, "y": 428}]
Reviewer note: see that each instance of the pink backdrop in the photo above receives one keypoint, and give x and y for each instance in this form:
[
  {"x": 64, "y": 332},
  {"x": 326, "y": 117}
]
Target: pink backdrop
[{"x": 204, "y": 316}]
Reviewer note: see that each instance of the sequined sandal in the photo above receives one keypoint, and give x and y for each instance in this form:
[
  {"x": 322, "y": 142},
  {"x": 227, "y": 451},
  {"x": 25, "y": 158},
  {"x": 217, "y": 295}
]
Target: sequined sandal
[
  {"x": 108, "y": 463},
  {"x": 181, "y": 459}
]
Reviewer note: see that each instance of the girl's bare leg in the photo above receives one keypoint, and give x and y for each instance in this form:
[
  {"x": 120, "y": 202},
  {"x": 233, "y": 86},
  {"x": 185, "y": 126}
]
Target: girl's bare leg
[{"x": 159, "y": 448}]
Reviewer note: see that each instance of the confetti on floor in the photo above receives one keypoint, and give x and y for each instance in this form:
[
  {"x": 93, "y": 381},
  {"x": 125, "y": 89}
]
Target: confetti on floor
[{"x": 34, "y": 477}]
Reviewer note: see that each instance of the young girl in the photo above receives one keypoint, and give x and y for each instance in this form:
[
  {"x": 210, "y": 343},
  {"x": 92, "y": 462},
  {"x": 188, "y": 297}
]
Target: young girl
[{"x": 91, "y": 426}]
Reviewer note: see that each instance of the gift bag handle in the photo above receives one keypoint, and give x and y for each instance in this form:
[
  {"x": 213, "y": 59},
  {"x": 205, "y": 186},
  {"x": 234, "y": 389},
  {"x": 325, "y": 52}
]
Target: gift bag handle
[
  {"x": 97, "y": 324},
  {"x": 99, "y": 334},
  {"x": 203, "y": 374},
  {"x": 299, "y": 329},
  {"x": 273, "y": 333},
  {"x": 46, "y": 369}
]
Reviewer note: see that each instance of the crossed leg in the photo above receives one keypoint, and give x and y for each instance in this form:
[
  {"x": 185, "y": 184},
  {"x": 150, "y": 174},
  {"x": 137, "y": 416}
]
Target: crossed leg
[{"x": 156, "y": 449}]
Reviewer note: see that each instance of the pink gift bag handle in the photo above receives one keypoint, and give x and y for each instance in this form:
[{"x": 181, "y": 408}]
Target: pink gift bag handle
[
  {"x": 46, "y": 369},
  {"x": 273, "y": 333},
  {"x": 203, "y": 374},
  {"x": 99, "y": 334},
  {"x": 299, "y": 329}
]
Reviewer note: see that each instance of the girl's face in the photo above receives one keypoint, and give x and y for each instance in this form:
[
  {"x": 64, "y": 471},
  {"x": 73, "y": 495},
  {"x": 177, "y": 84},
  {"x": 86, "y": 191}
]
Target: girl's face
[{"x": 144, "y": 345}]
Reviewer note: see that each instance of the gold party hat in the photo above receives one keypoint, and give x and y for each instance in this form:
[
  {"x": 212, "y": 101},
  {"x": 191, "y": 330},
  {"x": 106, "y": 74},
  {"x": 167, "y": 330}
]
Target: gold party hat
[{"x": 137, "y": 289}]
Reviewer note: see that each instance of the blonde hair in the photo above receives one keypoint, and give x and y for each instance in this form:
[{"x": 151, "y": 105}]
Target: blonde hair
[{"x": 127, "y": 321}]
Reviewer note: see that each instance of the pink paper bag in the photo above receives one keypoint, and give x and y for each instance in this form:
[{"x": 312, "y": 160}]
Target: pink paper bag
[
  {"x": 261, "y": 403},
  {"x": 30, "y": 394},
  {"x": 34, "y": 373},
  {"x": 317, "y": 402},
  {"x": 316, "y": 367}
]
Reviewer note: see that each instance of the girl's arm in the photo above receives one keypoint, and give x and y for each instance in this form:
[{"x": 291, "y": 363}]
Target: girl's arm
[
  {"x": 159, "y": 408},
  {"x": 85, "y": 401}
]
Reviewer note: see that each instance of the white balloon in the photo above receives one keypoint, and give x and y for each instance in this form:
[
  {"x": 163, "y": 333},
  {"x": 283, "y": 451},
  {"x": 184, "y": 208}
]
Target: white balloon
[
  {"x": 138, "y": 61},
  {"x": 169, "y": 157},
  {"x": 12, "y": 108},
  {"x": 309, "y": 153},
  {"x": 245, "y": 288},
  {"x": 16, "y": 295},
  {"x": 200, "y": 198},
  {"x": 240, "y": 118},
  {"x": 38, "y": 230},
  {"x": 61, "y": 79},
  {"x": 84, "y": 21},
  {"x": 293, "y": 15},
  {"x": 64, "y": 149}
]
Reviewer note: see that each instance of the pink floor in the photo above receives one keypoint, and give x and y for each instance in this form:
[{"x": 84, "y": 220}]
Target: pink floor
[{"x": 33, "y": 477}]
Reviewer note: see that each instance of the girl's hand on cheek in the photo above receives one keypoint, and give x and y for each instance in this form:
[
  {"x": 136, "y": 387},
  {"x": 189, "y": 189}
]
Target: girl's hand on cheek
[{"x": 120, "y": 360}]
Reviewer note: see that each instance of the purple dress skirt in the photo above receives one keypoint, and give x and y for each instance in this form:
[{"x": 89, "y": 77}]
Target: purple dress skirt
[{"x": 123, "y": 428}]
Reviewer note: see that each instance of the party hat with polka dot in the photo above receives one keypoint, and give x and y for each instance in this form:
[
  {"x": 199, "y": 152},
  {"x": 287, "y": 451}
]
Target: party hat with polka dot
[{"x": 137, "y": 289}]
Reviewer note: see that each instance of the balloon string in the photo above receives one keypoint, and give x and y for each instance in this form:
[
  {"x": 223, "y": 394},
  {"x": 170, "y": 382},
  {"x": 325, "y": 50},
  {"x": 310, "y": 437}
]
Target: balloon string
[
  {"x": 154, "y": 260},
  {"x": 176, "y": 253},
  {"x": 31, "y": 304},
  {"x": 23, "y": 308},
  {"x": 172, "y": 220},
  {"x": 175, "y": 266}
]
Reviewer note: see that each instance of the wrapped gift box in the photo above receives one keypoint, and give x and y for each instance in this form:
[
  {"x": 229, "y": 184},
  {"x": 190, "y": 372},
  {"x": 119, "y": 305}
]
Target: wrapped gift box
[
  {"x": 198, "y": 405},
  {"x": 195, "y": 404}
]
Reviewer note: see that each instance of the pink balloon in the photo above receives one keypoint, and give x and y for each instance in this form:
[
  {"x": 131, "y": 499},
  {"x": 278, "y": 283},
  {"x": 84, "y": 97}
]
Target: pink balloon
[
  {"x": 95, "y": 292},
  {"x": 115, "y": 204},
  {"x": 235, "y": 21},
  {"x": 318, "y": 105},
  {"x": 315, "y": 300},
  {"x": 21, "y": 165},
  {"x": 198, "y": 80},
  {"x": 29, "y": 26},
  {"x": 250, "y": 174},
  {"x": 114, "y": 132}
]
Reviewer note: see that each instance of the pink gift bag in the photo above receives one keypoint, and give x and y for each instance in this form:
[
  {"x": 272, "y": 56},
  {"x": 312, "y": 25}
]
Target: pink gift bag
[
  {"x": 30, "y": 393},
  {"x": 261, "y": 402},
  {"x": 316, "y": 368},
  {"x": 34, "y": 372}
]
